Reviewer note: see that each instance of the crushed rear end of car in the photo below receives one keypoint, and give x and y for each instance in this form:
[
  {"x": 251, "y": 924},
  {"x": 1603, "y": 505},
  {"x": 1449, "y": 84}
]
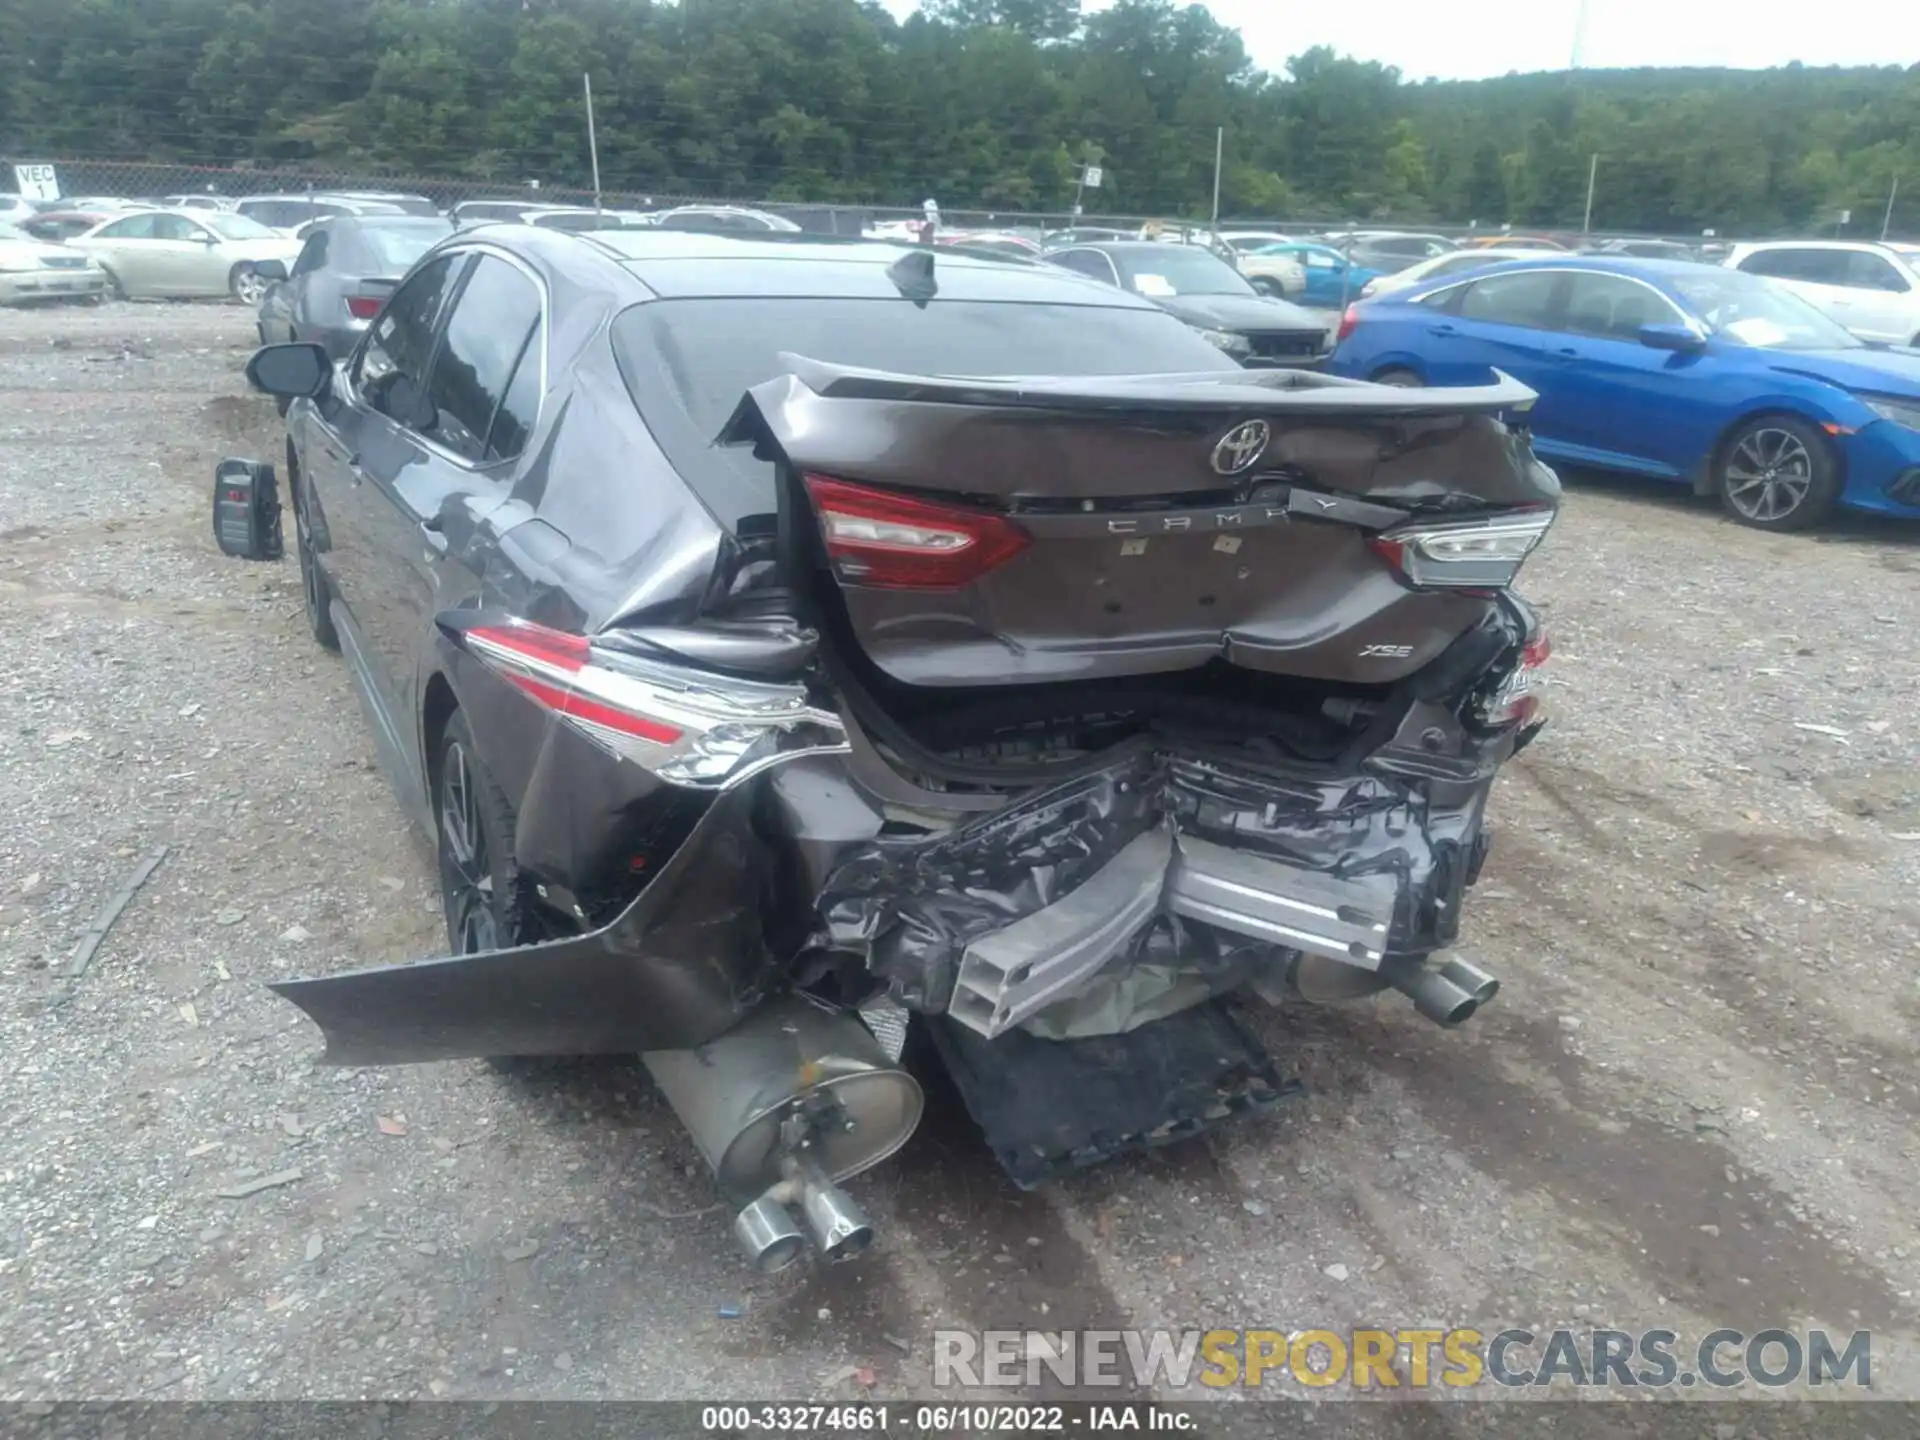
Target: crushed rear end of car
[{"x": 1060, "y": 717}]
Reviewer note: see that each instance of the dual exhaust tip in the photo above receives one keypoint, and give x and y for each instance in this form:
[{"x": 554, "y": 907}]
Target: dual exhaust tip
[
  {"x": 1448, "y": 994},
  {"x": 773, "y": 1239}
]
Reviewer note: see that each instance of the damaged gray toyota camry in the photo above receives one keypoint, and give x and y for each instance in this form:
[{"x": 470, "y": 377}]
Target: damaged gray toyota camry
[{"x": 786, "y": 643}]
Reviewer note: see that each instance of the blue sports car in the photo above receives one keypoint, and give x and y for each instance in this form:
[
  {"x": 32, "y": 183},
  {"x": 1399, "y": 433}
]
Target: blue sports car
[{"x": 1709, "y": 377}]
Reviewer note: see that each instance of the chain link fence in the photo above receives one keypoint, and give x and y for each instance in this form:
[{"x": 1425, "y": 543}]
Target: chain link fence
[{"x": 142, "y": 180}]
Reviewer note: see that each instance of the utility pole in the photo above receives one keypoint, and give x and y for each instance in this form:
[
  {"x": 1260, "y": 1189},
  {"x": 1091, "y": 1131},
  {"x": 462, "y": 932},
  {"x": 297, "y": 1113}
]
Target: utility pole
[
  {"x": 1593, "y": 169},
  {"x": 593, "y": 140},
  {"x": 1886, "y": 222},
  {"x": 1579, "y": 35},
  {"x": 1219, "y": 147}
]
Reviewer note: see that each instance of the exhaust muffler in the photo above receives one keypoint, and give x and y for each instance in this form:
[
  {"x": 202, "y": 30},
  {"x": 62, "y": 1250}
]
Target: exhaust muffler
[
  {"x": 1447, "y": 994},
  {"x": 784, "y": 1106}
]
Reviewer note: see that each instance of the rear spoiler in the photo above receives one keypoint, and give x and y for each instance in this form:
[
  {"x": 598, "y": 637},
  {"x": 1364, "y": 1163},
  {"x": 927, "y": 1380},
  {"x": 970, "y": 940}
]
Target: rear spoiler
[{"x": 1228, "y": 392}]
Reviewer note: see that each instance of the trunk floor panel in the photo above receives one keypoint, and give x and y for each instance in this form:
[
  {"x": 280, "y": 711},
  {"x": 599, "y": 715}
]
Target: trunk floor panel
[{"x": 1050, "y": 1107}]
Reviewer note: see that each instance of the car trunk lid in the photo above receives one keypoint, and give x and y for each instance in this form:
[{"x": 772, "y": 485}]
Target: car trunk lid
[{"x": 1040, "y": 529}]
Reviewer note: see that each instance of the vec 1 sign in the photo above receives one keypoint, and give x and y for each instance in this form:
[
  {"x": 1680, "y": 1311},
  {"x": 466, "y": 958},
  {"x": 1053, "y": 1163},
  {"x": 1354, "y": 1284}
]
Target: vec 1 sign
[{"x": 36, "y": 182}]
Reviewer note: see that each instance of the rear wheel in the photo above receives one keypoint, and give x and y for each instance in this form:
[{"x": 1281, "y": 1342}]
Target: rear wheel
[
  {"x": 1777, "y": 473},
  {"x": 1267, "y": 285},
  {"x": 247, "y": 285},
  {"x": 481, "y": 889},
  {"x": 115, "y": 290},
  {"x": 1398, "y": 375}
]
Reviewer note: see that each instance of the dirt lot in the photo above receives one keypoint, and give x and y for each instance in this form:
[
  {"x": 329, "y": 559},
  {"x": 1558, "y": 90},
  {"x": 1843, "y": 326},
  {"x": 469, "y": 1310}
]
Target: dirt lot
[{"x": 1695, "y": 1103}]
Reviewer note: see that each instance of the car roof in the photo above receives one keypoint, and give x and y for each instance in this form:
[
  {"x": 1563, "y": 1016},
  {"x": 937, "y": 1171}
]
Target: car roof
[
  {"x": 1875, "y": 246},
  {"x": 1639, "y": 267},
  {"x": 1132, "y": 247},
  {"x": 677, "y": 264}
]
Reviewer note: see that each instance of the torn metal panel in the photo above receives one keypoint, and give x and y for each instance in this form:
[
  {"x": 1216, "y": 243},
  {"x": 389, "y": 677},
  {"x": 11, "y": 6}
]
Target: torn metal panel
[
  {"x": 977, "y": 921},
  {"x": 683, "y": 963}
]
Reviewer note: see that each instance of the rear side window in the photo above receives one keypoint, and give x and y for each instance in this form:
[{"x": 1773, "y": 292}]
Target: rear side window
[
  {"x": 1523, "y": 299},
  {"x": 392, "y": 369},
  {"x": 495, "y": 316},
  {"x": 134, "y": 227},
  {"x": 1091, "y": 263}
]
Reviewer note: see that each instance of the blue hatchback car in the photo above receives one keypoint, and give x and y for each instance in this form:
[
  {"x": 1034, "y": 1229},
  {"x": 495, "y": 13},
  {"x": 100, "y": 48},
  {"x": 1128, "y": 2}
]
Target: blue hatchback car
[{"x": 1709, "y": 377}]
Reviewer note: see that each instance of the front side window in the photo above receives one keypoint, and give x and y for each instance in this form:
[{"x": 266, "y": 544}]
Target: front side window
[
  {"x": 494, "y": 318},
  {"x": 177, "y": 227},
  {"x": 1615, "y": 308},
  {"x": 313, "y": 255},
  {"x": 1867, "y": 271},
  {"x": 392, "y": 369}
]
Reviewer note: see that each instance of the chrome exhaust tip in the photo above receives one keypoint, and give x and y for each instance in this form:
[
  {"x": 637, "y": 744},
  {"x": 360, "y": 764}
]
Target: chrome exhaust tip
[
  {"x": 1472, "y": 979},
  {"x": 1437, "y": 997},
  {"x": 766, "y": 1231},
  {"x": 840, "y": 1228}
]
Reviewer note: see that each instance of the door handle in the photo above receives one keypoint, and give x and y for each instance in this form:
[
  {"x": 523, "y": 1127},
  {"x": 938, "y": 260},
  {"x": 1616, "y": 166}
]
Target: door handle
[
  {"x": 1568, "y": 351},
  {"x": 1442, "y": 330}
]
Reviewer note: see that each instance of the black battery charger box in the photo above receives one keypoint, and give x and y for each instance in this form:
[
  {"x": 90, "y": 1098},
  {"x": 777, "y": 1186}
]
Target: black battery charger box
[{"x": 246, "y": 510}]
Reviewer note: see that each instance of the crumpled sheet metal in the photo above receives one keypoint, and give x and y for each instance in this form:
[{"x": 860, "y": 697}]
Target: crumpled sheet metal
[{"x": 910, "y": 907}]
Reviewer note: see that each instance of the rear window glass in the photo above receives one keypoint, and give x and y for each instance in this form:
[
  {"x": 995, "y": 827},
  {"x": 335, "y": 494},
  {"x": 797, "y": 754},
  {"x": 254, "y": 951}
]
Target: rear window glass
[
  {"x": 688, "y": 362},
  {"x": 397, "y": 247}
]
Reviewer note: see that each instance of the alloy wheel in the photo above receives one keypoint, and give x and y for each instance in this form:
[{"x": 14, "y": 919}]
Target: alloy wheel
[
  {"x": 466, "y": 867},
  {"x": 249, "y": 287},
  {"x": 1768, "y": 474}
]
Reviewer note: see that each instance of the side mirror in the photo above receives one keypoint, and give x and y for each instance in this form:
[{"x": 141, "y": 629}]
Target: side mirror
[
  {"x": 290, "y": 371},
  {"x": 1671, "y": 337},
  {"x": 270, "y": 269}
]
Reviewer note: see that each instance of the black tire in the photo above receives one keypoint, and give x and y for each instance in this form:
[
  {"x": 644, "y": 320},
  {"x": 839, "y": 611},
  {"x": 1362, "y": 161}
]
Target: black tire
[
  {"x": 317, "y": 594},
  {"x": 1399, "y": 375},
  {"x": 115, "y": 290},
  {"x": 1777, "y": 472},
  {"x": 485, "y": 898},
  {"x": 1267, "y": 285}
]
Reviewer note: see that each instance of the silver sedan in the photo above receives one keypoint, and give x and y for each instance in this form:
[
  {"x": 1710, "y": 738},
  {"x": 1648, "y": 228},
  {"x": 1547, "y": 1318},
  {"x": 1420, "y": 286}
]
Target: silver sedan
[{"x": 171, "y": 253}]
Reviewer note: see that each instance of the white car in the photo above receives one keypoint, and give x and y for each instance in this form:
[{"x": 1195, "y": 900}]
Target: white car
[
  {"x": 32, "y": 269},
  {"x": 1454, "y": 262},
  {"x": 1243, "y": 241},
  {"x": 176, "y": 254},
  {"x": 14, "y": 208},
  {"x": 1281, "y": 276},
  {"x": 1873, "y": 290}
]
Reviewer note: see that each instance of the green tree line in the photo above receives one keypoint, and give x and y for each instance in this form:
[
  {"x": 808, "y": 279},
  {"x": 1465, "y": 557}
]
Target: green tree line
[{"x": 980, "y": 103}]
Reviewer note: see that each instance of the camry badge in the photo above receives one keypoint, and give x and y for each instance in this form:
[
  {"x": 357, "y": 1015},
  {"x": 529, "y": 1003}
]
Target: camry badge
[{"x": 1241, "y": 446}]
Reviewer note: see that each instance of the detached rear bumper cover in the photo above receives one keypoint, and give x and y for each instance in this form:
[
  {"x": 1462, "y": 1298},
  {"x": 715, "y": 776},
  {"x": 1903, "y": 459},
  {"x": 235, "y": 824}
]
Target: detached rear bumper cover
[{"x": 683, "y": 963}]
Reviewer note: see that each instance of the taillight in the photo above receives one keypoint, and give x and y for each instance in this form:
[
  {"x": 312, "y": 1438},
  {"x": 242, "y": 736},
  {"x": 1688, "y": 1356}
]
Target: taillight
[
  {"x": 363, "y": 307},
  {"x": 688, "y": 727},
  {"x": 1516, "y": 702},
  {"x": 888, "y": 541},
  {"x": 1480, "y": 554},
  {"x": 1349, "y": 318}
]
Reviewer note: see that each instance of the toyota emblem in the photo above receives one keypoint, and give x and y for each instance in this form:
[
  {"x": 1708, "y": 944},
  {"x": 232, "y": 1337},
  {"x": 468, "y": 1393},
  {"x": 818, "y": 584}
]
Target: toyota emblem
[{"x": 1241, "y": 446}]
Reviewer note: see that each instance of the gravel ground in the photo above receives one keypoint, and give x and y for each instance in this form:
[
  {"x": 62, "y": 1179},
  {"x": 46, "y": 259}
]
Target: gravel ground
[{"x": 1695, "y": 1103}]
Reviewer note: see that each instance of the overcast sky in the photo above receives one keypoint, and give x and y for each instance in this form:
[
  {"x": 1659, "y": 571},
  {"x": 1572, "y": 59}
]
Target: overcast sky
[{"x": 1454, "y": 40}]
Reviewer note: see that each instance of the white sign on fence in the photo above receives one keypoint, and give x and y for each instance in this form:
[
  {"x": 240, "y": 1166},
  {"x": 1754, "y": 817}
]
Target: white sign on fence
[
  {"x": 1093, "y": 177},
  {"x": 36, "y": 182}
]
